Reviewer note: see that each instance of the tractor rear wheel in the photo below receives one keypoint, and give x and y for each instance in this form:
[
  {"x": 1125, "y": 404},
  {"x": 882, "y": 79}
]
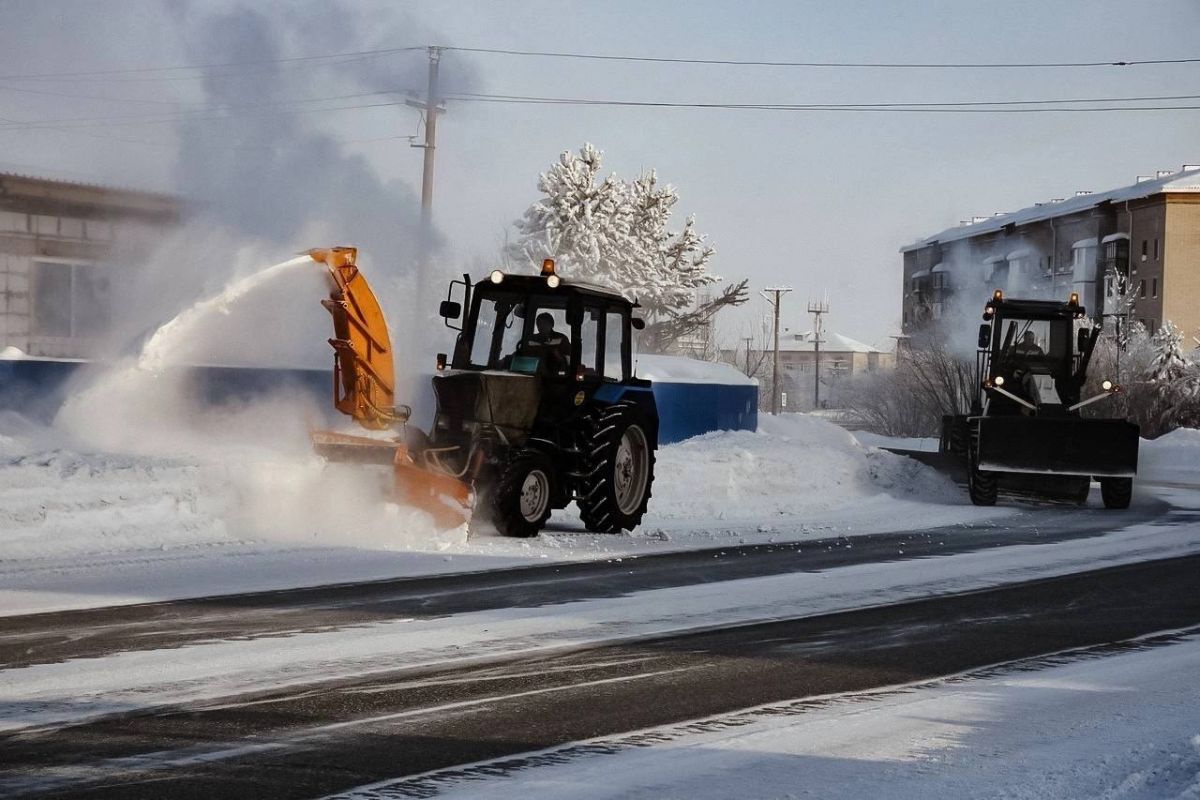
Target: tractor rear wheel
[
  {"x": 618, "y": 469},
  {"x": 981, "y": 484},
  {"x": 519, "y": 502},
  {"x": 1116, "y": 492}
]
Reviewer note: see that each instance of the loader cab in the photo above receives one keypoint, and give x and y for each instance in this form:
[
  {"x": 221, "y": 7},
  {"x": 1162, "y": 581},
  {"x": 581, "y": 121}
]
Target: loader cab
[{"x": 1031, "y": 360}]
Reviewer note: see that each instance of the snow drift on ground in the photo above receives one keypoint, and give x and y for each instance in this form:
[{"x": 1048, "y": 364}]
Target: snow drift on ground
[
  {"x": 1171, "y": 458},
  {"x": 191, "y": 501},
  {"x": 217, "y": 482},
  {"x": 794, "y": 466}
]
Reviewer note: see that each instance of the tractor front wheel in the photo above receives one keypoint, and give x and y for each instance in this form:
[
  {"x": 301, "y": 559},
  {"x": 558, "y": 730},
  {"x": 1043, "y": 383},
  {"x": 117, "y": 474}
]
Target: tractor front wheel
[
  {"x": 618, "y": 469},
  {"x": 520, "y": 500},
  {"x": 1116, "y": 492}
]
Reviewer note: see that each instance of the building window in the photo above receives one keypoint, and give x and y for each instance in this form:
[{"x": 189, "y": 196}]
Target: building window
[
  {"x": 1142, "y": 288},
  {"x": 1156, "y": 249},
  {"x": 1154, "y": 287},
  {"x": 1143, "y": 248},
  {"x": 70, "y": 300}
]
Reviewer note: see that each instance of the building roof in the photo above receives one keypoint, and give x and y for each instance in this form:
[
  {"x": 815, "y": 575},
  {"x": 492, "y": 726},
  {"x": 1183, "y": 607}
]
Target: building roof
[
  {"x": 830, "y": 343},
  {"x": 51, "y": 196},
  {"x": 1186, "y": 180}
]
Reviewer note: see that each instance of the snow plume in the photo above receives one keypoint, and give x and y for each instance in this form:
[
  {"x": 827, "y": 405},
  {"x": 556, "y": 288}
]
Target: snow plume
[{"x": 974, "y": 272}]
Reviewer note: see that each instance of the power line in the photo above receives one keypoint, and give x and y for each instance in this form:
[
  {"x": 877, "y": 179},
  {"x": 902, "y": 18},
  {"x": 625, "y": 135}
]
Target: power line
[
  {"x": 936, "y": 108},
  {"x": 829, "y": 64},
  {"x": 468, "y": 96},
  {"x": 284, "y": 108},
  {"x": 350, "y": 56},
  {"x": 957, "y": 107}
]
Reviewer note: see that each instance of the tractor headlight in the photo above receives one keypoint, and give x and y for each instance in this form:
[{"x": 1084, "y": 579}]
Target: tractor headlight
[
  {"x": 553, "y": 281},
  {"x": 999, "y": 380},
  {"x": 1107, "y": 385},
  {"x": 497, "y": 276}
]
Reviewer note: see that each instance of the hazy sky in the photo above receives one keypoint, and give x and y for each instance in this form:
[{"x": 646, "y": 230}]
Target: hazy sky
[{"x": 818, "y": 201}]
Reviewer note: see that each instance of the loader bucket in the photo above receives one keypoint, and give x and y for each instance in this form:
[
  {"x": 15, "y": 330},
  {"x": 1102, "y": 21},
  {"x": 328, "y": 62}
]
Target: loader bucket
[
  {"x": 1059, "y": 446},
  {"x": 364, "y": 380}
]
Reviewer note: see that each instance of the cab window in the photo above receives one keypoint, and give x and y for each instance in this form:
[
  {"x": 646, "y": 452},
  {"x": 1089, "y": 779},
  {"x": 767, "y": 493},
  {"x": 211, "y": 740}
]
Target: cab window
[
  {"x": 589, "y": 340},
  {"x": 498, "y": 330},
  {"x": 614, "y": 335}
]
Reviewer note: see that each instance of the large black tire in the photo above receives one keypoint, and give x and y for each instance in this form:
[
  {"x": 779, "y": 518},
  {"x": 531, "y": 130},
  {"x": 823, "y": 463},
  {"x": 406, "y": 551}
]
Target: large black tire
[
  {"x": 519, "y": 501},
  {"x": 1116, "y": 492},
  {"x": 1079, "y": 491},
  {"x": 981, "y": 484},
  {"x": 618, "y": 469}
]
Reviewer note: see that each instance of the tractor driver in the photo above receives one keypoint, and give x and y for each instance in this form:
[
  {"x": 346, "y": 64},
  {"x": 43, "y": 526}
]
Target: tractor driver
[
  {"x": 1026, "y": 349},
  {"x": 553, "y": 347}
]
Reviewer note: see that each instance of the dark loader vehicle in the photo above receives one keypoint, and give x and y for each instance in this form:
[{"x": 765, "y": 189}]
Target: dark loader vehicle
[{"x": 1024, "y": 431}]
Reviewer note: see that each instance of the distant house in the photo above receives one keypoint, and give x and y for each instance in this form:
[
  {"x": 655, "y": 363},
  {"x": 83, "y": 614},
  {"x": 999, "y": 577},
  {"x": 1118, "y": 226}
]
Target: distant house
[
  {"x": 840, "y": 358},
  {"x": 1130, "y": 252},
  {"x": 58, "y": 249}
]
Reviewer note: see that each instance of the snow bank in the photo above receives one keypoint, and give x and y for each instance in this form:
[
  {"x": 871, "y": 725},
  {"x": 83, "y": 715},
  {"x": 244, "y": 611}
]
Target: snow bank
[
  {"x": 1171, "y": 458},
  {"x": 794, "y": 465},
  {"x": 235, "y": 500}
]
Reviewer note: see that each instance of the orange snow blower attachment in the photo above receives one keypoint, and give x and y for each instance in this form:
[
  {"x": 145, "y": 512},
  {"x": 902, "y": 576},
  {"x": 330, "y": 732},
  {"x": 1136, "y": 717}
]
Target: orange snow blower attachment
[{"x": 364, "y": 388}]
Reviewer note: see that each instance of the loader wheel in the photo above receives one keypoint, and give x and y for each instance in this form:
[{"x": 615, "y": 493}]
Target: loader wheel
[
  {"x": 618, "y": 469},
  {"x": 520, "y": 500},
  {"x": 1079, "y": 491},
  {"x": 981, "y": 484},
  {"x": 1116, "y": 492}
]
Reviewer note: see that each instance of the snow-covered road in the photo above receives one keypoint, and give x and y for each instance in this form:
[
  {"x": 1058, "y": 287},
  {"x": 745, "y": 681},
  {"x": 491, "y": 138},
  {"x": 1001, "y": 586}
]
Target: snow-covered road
[{"x": 1122, "y": 726}]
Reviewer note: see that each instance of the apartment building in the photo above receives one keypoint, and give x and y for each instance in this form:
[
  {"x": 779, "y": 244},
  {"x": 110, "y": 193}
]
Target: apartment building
[{"x": 1131, "y": 252}]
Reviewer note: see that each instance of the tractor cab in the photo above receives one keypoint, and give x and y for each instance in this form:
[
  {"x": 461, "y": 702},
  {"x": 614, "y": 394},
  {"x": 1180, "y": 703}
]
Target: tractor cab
[{"x": 542, "y": 326}]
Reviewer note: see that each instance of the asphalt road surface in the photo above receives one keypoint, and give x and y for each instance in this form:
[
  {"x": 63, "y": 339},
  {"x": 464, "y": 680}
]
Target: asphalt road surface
[
  {"x": 313, "y": 740},
  {"x": 46, "y": 638}
]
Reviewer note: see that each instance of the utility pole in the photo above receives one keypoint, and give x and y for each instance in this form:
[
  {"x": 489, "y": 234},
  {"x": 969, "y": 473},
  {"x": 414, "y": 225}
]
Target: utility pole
[
  {"x": 748, "y": 340},
  {"x": 817, "y": 309},
  {"x": 431, "y": 115},
  {"x": 431, "y": 108},
  {"x": 778, "y": 293}
]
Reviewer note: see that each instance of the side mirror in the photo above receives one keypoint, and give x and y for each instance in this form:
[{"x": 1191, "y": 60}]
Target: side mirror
[
  {"x": 638, "y": 323},
  {"x": 985, "y": 336},
  {"x": 449, "y": 309},
  {"x": 1082, "y": 339}
]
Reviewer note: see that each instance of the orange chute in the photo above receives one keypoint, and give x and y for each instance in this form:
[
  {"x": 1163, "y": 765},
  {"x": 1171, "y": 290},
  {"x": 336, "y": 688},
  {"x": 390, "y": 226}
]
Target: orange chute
[{"x": 364, "y": 379}]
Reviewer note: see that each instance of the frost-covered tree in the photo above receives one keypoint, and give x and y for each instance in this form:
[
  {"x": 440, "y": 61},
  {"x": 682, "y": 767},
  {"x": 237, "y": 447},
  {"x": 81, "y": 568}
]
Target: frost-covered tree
[
  {"x": 1161, "y": 385},
  {"x": 1169, "y": 361},
  {"x": 603, "y": 230}
]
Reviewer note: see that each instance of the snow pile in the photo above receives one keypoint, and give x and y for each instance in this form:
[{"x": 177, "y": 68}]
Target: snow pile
[
  {"x": 61, "y": 501},
  {"x": 1171, "y": 458},
  {"x": 678, "y": 369},
  {"x": 794, "y": 465}
]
